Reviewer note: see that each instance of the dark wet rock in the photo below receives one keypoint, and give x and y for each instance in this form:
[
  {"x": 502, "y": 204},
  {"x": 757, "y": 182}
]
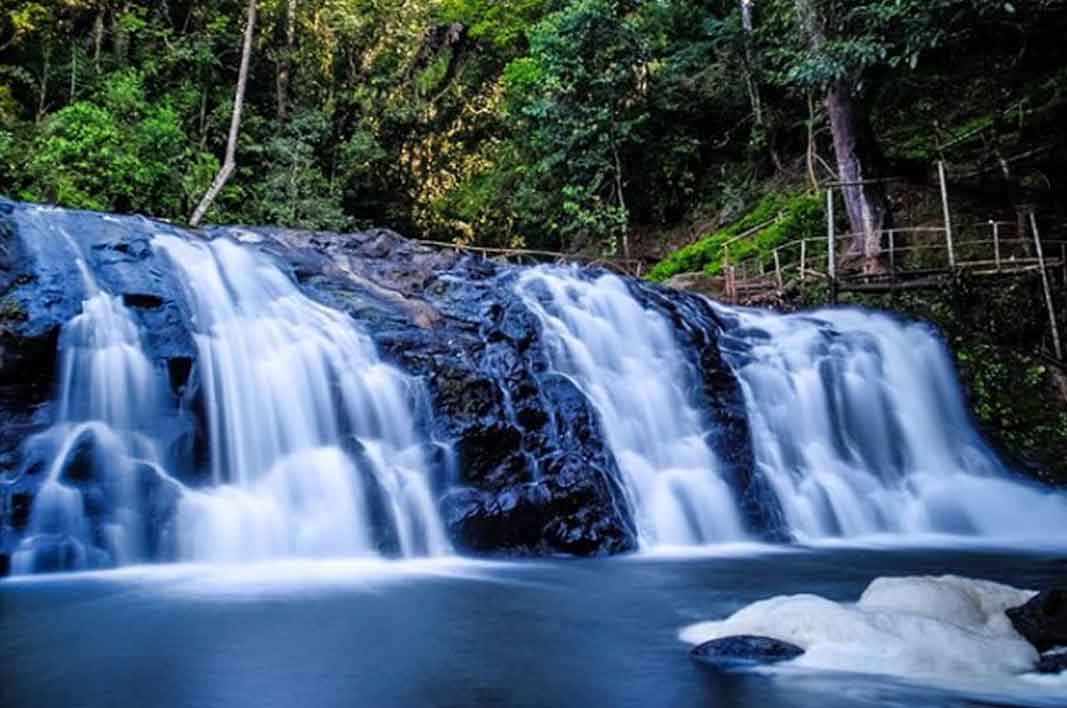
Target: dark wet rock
[
  {"x": 1052, "y": 663},
  {"x": 142, "y": 301},
  {"x": 19, "y": 510},
  {"x": 5, "y": 565},
  {"x": 84, "y": 464},
  {"x": 536, "y": 518},
  {"x": 54, "y": 554},
  {"x": 159, "y": 497},
  {"x": 1043, "y": 620},
  {"x": 744, "y": 651}
]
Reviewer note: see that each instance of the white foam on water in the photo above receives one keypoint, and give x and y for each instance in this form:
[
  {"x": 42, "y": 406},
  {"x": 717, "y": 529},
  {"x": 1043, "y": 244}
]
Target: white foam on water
[{"x": 949, "y": 631}]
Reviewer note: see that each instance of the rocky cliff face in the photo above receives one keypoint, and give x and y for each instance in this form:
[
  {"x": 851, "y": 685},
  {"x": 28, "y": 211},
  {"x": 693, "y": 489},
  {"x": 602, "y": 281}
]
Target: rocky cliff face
[{"x": 530, "y": 471}]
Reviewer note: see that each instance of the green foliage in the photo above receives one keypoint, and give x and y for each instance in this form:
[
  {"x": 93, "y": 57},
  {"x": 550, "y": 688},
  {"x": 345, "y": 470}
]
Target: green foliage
[
  {"x": 123, "y": 153},
  {"x": 502, "y": 24},
  {"x": 579, "y": 101},
  {"x": 856, "y": 38},
  {"x": 558, "y": 123},
  {"x": 786, "y": 218},
  {"x": 294, "y": 191}
]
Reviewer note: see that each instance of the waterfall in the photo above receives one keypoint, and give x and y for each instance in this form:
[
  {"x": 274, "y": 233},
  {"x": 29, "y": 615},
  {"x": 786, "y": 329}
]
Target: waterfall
[
  {"x": 309, "y": 431},
  {"x": 88, "y": 510},
  {"x": 210, "y": 407},
  {"x": 626, "y": 360},
  {"x": 314, "y": 448},
  {"x": 859, "y": 424}
]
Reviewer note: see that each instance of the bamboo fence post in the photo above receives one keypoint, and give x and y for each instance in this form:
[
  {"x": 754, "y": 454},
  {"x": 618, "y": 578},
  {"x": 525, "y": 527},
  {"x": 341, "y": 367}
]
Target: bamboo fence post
[
  {"x": 1056, "y": 346},
  {"x": 831, "y": 259},
  {"x": 947, "y": 213},
  {"x": 803, "y": 258},
  {"x": 1063, "y": 262},
  {"x": 733, "y": 284},
  {"x": 726, "y": 271},
  {"x": 892, "y": 256},
  {"x": 996, "y": 243},
  {"x": 778, "y": 269}
]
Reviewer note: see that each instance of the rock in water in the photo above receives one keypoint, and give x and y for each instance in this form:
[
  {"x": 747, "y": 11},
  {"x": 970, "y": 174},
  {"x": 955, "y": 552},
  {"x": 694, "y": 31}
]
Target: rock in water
[
  {"x": 1042, "y": 620},
  {"x": 744, "y": 651},
  {"x": 1052, "y": 663}
]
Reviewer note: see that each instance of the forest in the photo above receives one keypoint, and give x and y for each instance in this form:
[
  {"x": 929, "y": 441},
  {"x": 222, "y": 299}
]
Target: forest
[
  {"x": 601, "y": 126},
  {"x": 533, "y": 353}
]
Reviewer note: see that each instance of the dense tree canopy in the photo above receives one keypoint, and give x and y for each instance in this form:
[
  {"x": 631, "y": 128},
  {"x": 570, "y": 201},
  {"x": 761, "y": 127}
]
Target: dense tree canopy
[{"x": 558, "y": 123}]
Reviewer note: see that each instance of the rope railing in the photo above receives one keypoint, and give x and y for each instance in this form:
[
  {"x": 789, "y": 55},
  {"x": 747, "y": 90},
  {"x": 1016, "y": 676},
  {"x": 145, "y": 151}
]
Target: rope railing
[
  {"x": 929, "y": 264},
  {"x": 908, "y": 257},
  {"x": 802, "y": 255},
  {"x": 625, "y": 266}
]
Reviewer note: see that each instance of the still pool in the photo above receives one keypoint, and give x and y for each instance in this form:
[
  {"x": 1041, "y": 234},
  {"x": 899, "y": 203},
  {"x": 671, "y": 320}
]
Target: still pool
[{"x": 453, "y": 632}]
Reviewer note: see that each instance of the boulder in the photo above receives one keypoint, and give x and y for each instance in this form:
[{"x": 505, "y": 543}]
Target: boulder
[
  {"x": 1043, "y": 620},
  {"x": 1052, "y": 663},
  {"x": 744, "y": 651}
]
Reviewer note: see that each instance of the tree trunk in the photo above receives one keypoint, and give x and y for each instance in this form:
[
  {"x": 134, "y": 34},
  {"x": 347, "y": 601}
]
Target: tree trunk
[
  {"x": 856, "y": 151},
  {"x": 865, "y": 197},
  {"x": 230, "y": 162},
  {"x": 98, "y": 37},
  {"x": 750, "y": 64},
  {"x": 42, "y": 101},
  {"x": 622, "y": 200},
  {"x": 120, "y": 40},
  {"x": 286, "y": 63}
]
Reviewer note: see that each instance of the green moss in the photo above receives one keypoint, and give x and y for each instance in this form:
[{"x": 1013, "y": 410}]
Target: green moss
[
  {"x": 794, "y": 217},
  {"x": 11, "y": 310}
]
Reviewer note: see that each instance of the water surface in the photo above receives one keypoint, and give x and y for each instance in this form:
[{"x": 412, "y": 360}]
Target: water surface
[{"x": 447, "y": 632}]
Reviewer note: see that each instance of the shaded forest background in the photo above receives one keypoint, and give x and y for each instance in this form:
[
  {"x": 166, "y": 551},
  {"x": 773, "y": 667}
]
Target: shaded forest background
[{"x": 563, "y": 124}]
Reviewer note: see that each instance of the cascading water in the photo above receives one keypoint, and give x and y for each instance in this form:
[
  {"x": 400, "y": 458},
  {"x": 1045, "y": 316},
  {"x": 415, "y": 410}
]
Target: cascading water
[
  {"x": 309, "y": 431},
  {"x": 859, "y": 424},
  {"x": 207, "y": 409},
  {"x": 313, "y": 447},
  {"x": 97, "y": 456},
  {"x": 626, "y": 360}
]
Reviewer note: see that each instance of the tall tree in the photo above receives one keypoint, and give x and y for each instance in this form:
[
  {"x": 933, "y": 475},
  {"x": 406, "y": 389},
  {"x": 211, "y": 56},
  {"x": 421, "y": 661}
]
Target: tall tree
[
  {"x": 857, "y": 154},
  {"x": 230, "y": 162},
  {"x": 285, "y": 63}
]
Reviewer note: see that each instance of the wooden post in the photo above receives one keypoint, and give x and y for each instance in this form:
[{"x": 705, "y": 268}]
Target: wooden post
[
  {"x": 726, "y": 271},
  {"x": 948, "y": 215},
  {"x": 803, "y": 258},
  {"x": 778, "y": 269},
  {"x": 892, "y": 256},
  {"x": 996, "y": 243},
  {"x": 733, "y": 284},
  {"x": 1056, "y": 346},
  {"x": 831, "y": 258},
  {"x": 1063, "y": 263}
]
